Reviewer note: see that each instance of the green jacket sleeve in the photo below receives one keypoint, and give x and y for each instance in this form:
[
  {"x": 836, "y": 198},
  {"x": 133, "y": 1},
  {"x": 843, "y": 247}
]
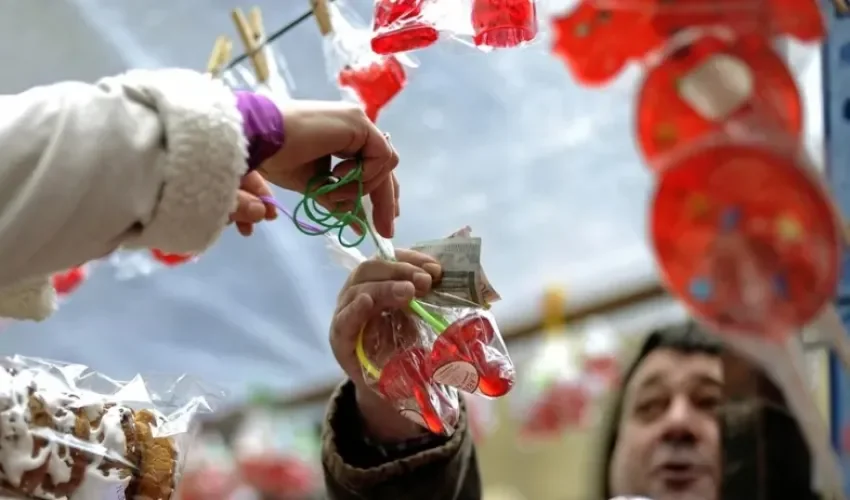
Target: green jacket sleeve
[{"x": 355, "y": 470}]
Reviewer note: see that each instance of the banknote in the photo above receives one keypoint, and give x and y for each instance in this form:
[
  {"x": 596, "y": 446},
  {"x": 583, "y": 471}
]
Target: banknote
[{"x": 463, "y": 277}]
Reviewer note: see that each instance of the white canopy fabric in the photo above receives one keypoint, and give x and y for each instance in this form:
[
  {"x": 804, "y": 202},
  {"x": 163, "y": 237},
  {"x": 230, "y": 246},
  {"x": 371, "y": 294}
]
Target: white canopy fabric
[{"x": 545, "y": 171}]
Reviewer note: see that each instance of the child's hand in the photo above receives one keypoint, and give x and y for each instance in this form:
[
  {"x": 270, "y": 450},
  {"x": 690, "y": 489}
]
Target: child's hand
[{"x": 250, "y": 210}]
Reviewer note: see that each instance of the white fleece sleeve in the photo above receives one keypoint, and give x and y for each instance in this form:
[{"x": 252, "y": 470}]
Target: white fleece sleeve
[{"x": 145, "y": 159}]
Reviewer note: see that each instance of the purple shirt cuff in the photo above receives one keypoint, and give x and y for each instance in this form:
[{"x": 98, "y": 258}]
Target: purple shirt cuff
[{"x": 263, "y": 127}]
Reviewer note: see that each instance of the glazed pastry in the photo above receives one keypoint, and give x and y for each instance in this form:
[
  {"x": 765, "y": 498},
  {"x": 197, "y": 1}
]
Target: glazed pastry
[{"x": 58, "y": 445}]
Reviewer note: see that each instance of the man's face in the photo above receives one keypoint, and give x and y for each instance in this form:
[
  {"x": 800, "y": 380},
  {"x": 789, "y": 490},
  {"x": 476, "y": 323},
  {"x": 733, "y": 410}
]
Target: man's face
[{"x": 668, "y": 446}]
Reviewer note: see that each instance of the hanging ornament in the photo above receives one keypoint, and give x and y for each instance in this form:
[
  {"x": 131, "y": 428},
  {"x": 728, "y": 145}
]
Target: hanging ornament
[
  {"x": 600, "y": 359},
  {"x": 68, "y": 281},
  {"x": 703, "y": 84},
  {"x": 747, "y": 238},
  {"x": 375, "y": 80},
  {"x": 171, "y": 259},
  {"x": 596, "y": 43},
  {"x": 399, "y": 26},
  {"x": 503, "y": 23}
]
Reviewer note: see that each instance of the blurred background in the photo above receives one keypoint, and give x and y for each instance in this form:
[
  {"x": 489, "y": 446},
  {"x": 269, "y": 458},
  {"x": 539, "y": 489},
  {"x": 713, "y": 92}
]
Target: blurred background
[{"x": 544, "y": 171}]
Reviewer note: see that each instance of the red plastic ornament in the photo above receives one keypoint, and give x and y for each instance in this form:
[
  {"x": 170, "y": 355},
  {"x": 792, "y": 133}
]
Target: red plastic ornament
[
  {"x": 404, "y": 378},
  {"x": 206, "y": 483},
  {"x": 463, "y": 358},
  {"x": 272, "y": 474},
  {"x": 171, "y": 259},
  {"x": 68, "y": 281},
  {"x": 746, "y": 238},
  {"x": 376, "y": 83},
  {"x": 503, "y": 23},
  {"x": 399, "y": 26},
  {"x": 564, "y": 405},
  {"x": 596, "y": 44},
  {"x": 700, "y": 86}
]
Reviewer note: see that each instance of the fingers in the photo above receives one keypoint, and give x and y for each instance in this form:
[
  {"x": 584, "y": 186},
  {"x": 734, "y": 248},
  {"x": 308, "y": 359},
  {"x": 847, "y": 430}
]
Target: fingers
[
  {"x": 396, "y": 194},
  {"x": 423, "y": 261},
  {"x": 245, "y": 229},
  {"x": 249, "y": 208},
  {"x": 381, "y": 270},
  {"x": 383, "y": 208},
  {"x": 381, "y": 296}
]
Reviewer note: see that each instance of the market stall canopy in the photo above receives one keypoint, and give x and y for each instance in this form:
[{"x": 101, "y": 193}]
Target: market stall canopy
[{"x": 543, "y": 170}]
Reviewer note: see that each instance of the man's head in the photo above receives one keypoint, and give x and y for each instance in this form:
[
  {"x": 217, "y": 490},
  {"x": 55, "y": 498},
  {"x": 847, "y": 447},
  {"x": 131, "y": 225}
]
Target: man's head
[{"x": 665, "y": 440}]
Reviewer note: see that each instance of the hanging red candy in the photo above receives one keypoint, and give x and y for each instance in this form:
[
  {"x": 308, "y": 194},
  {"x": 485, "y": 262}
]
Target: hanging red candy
[
  {"x": 274, "y": 475},
  {"x": 596, "y": 44},
  {"x": 746, "y": 238},
  {"x": 703, "y": 84},
  {"x": 375, "y": 80},
  {"x": 68, "y": 281},
  {"x": 564, "y": 405},
  {"x": 400, "y": 27},
  {"x": 503, "y": 23},
  {"x": 171, "y": 259}
]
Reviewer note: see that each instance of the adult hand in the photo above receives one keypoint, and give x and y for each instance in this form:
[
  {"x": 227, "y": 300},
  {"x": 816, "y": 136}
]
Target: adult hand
[
  {"x": 249, "y": 208},
  {"x": 375, "y": 287},
  {"x": 317, "y": 131}
]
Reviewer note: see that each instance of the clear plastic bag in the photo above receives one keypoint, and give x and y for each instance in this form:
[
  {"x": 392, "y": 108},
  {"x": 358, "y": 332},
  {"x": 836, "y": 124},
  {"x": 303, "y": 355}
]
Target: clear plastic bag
[
  {"x": 369, "y": 79},
  {"x": 68, "y": 432},
  {"x": 406, "y": 25}
]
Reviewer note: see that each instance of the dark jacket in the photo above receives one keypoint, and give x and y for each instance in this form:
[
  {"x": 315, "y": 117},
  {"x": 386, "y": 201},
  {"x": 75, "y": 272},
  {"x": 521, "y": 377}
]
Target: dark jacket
[{"x": 445, "y": 470}]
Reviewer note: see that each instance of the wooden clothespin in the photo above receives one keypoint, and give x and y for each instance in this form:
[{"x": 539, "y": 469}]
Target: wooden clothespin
[
  {"x": 554, "y": 309},
  {"x": 322, "y": 13},
  {"x": 253, "y": 38},
  {"x": 220, "y": 55}
]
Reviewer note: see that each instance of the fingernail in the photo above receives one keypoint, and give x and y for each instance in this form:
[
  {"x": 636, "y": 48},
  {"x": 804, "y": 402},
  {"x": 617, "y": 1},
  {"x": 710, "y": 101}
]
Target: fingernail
[
  {"x": 403, "y": 290},
  {"x": 422, "y": 281}
]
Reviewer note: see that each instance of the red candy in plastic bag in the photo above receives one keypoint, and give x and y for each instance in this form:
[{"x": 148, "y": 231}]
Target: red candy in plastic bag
[
  {"x": 400, "y": 27},
  {"x": 463, "y": 357},
  {"x": 68, "y": 281},
  {"x": 701, "y": 85},
  {"x": 171, "y": 259},
  {"x": 375, "y": 82},
  {"x": 503, "y": 23},
  {"x": 746, "y": 238},
  {"x": 596, "y": 44}
]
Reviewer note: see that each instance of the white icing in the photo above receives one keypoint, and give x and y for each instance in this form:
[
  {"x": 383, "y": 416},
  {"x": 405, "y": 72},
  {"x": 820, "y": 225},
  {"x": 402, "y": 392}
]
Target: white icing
[{"x": 17, "y": 436}]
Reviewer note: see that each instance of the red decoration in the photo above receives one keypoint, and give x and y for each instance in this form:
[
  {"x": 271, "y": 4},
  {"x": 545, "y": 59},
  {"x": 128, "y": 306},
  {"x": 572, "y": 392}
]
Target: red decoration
[
  {"x": 562, "y": 406},
  {"x": 207, "y": 483},
  {"x": 603, "y": 370},
  {"x": 698, "y": 88},
  {"x": 746, "y": 238},
  {"x": 596, "y": 44},
  {"x": 171, "y": 259},
  {"x": 68, "y": 281},
  {"x": 405, "y": 377},
  {"x": 375, "y": 83},
  {"x": 503, "y": 23},
  {"x": 281, "y": 477},
  {"x": 399, "y": 26}
]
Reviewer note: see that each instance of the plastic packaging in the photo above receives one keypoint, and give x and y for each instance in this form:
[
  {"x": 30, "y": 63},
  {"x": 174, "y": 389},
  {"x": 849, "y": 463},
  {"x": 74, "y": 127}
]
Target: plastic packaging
[
  {"x": 68, "y": 432},
  {"x": 402, "y": 25},
  {"x": 503, "y": 24},
  {"x": 481, "y": 415},
  {"x": 371, "y": 79},
  {"x": 705, "y": 84}
]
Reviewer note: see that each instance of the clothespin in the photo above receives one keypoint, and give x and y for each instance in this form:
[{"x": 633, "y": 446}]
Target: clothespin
[
  {"x": 253, "y": 38},
  {"x": 322, "y": 13},
  {"x": 554, "y": 309},
  {"x": 220, "y": 55}
]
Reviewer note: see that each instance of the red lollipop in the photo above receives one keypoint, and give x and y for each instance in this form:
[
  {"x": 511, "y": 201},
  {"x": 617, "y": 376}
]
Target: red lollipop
[
  {"x": 503, "y": 23},
  {"x": 405, "y": 377},
  {"x": 463, "y": 358},
  {"x": 375, "y": 83},
  {"x": 746, "y": 238},
  {"x": 698, "y": 88},
  {"x": 68, "y": 281},
  {"x": 398, "y": 26},
  {"x": 596, "y": 44},
  {"x": 171, "y": 259}
]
